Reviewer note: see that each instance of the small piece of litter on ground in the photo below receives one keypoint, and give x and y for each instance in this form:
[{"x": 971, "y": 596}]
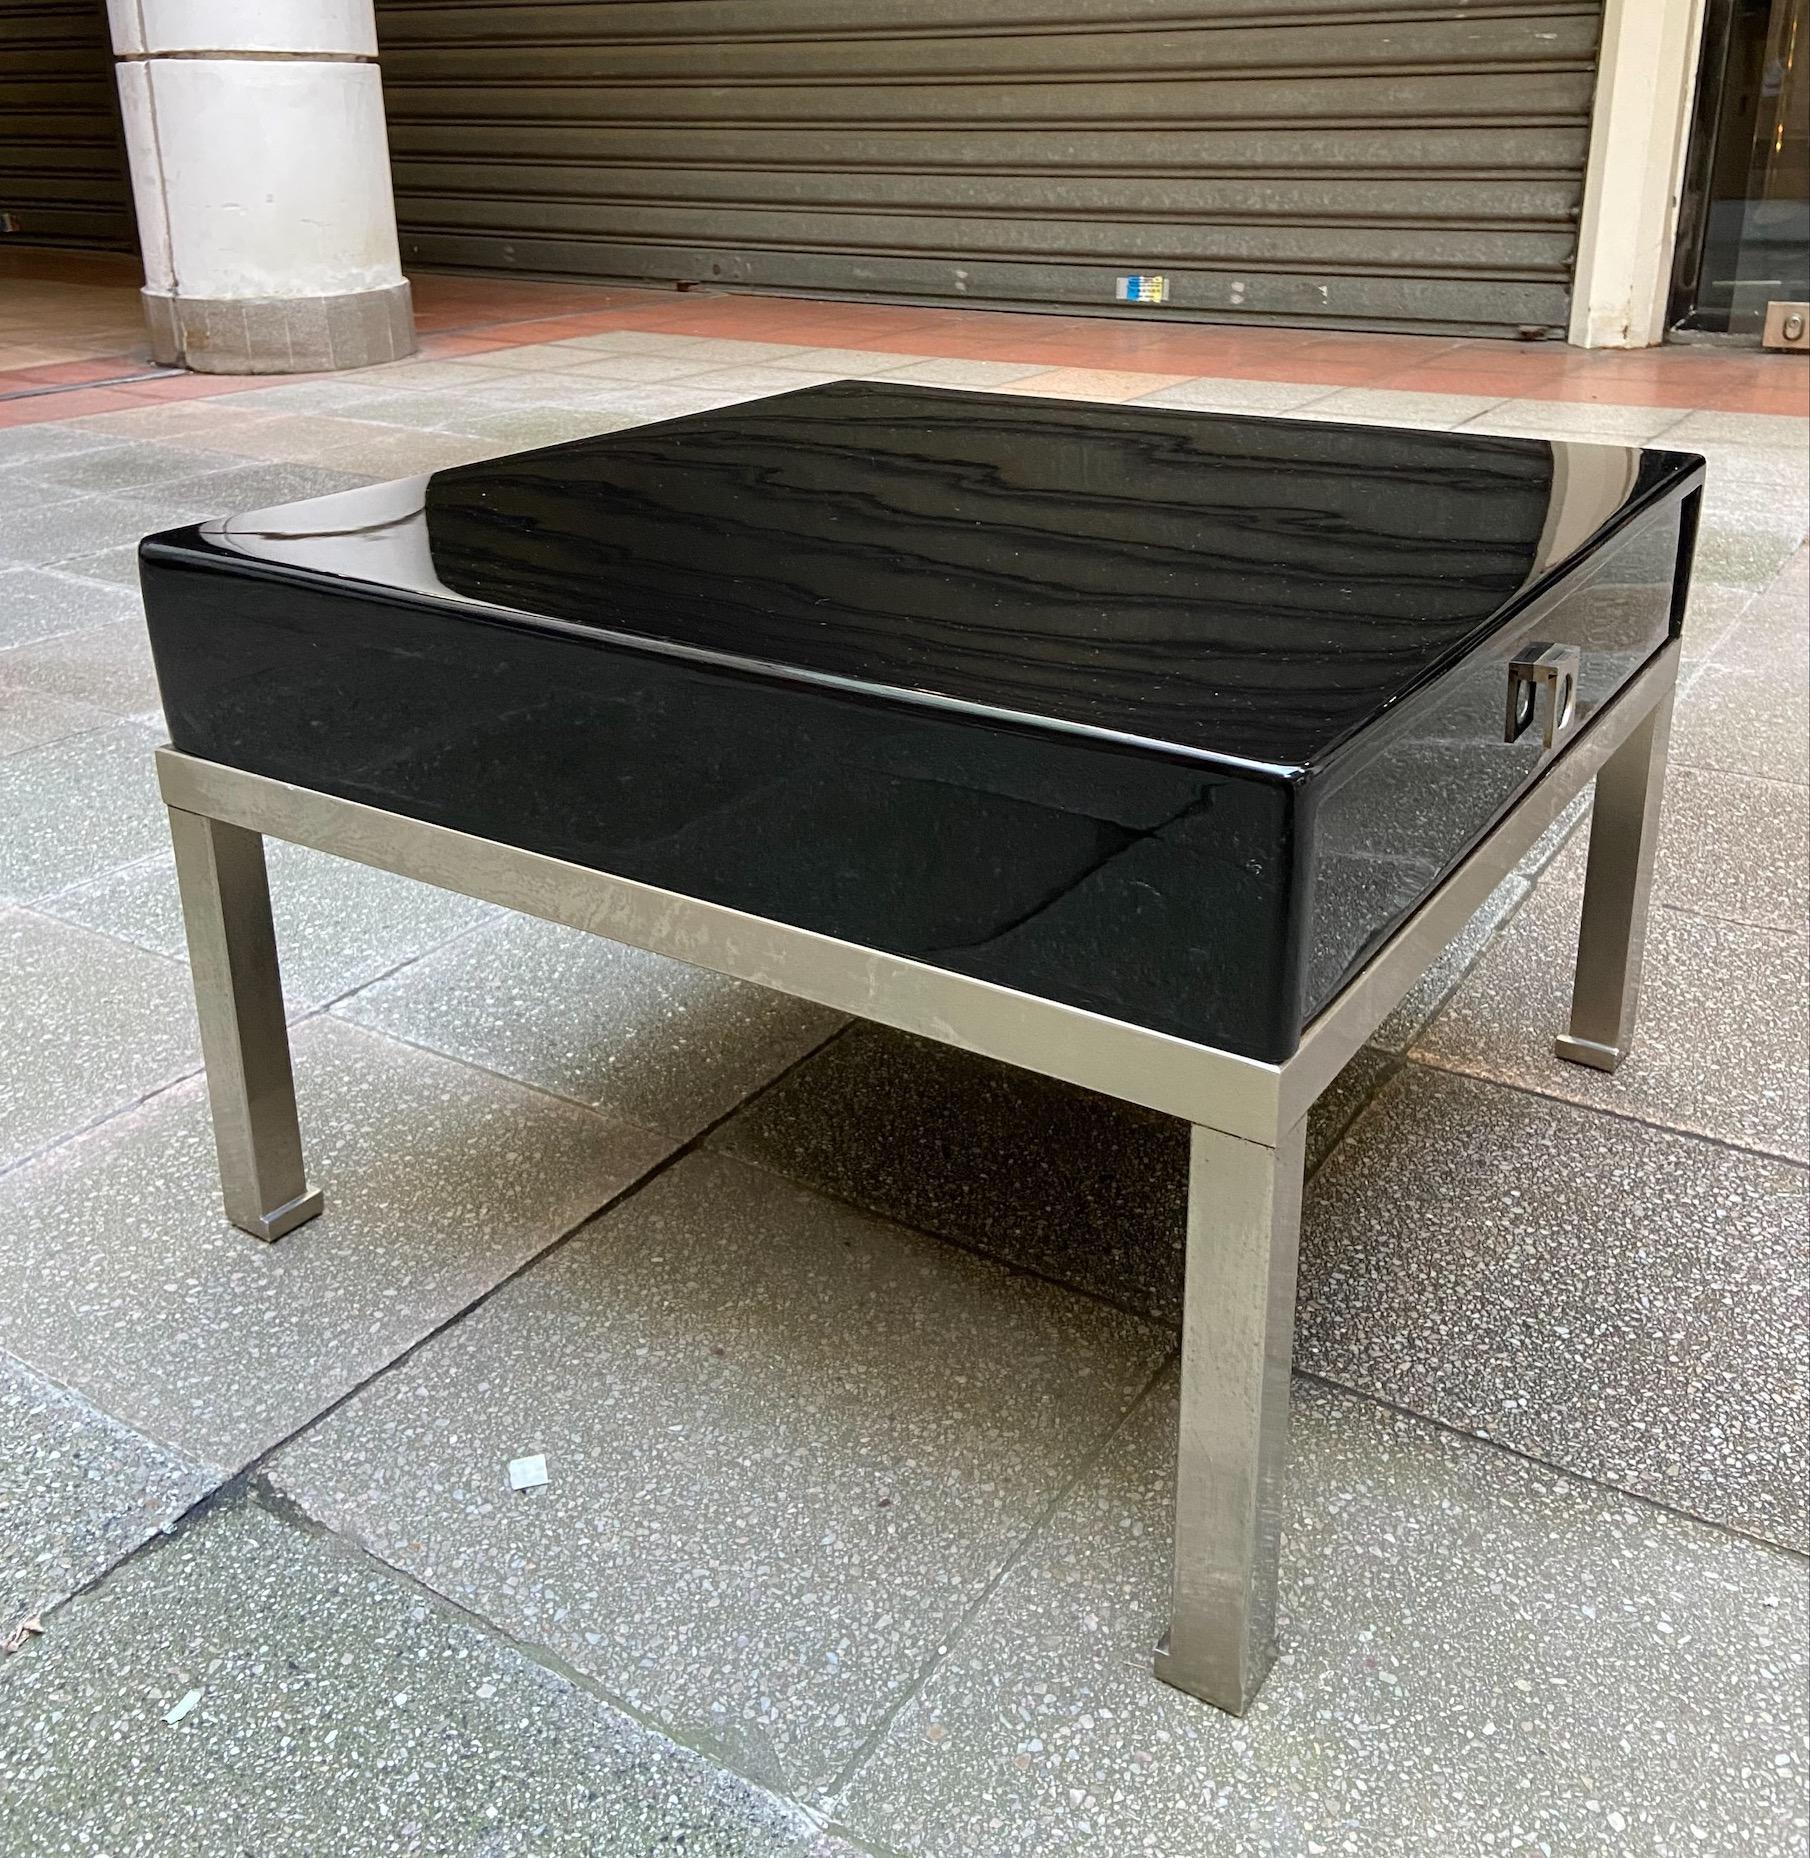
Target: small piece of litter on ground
[
  {"x": 25, "y": 1629},
  {"x": 528, "y": 1473},
  {"x": 176, "y": 1714}
]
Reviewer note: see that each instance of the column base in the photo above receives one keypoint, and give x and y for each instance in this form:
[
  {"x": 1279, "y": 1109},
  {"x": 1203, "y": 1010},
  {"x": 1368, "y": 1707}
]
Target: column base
[{"x": 281, "y": 335}]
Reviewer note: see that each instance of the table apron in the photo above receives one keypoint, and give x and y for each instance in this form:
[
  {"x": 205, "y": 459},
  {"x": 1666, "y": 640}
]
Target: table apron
[{"x": 1217, "y": 1090}]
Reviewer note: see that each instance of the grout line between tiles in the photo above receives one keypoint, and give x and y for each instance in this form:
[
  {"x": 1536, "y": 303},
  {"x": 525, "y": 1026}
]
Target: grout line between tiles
[
  {"x": 1449, "y": 1068},
  {"x": 1084, "y": 1466},
  {"x": 1747, "y": 1537}
]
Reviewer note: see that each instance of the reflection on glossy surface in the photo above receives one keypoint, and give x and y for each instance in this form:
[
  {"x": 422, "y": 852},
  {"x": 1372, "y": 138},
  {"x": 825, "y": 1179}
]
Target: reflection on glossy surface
[{"x": 1163, "y": 714}]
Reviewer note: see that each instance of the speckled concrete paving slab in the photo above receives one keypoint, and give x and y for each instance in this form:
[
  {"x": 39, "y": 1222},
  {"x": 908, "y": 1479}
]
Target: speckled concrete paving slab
[
  {"x": 39, "y": 603},
  {"x": 341, "y": 1715},
  {"x": 77, "y": 1492},
  {"x": 120, "y": 1276},
  {"x": 108, "y": 666},
  {"x": 787, "y": 1445},
  {"x": 339, "y": 924},
  {"x": 653, "y": 1041},
  {"x": 1730, "y": 846},
  {"x": 90, "y": 1028},
  {"x": 1627, "y": 1304},
  {"x": 1722, "y": 1048},
  {"x": 1076, "y": 1187},
  {"x": 1435, "y": 987},
  {"x": 1479, "y": 1657},
  {"x": 76, "y": 808},
  {"x": 1744, "y": 722},
  {"x": 29, "y": 719}
]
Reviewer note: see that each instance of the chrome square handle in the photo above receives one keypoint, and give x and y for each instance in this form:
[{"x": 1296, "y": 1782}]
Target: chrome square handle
[{"x": 1542, "y": 681}]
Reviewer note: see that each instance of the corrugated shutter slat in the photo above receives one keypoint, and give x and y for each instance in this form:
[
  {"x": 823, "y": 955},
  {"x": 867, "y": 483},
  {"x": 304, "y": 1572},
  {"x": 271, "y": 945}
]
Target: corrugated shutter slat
[
  {"x": 1378, "y": 163},
  {"x": 63, "y": 178}
]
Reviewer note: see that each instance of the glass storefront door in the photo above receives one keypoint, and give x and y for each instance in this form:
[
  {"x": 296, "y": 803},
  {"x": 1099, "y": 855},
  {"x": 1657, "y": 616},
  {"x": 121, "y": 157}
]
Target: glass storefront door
[{"x": 1744, "y": 221}]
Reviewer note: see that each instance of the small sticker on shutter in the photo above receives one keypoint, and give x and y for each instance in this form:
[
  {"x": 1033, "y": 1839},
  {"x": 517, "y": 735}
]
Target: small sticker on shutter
[{"x": 1143, "y": 289}]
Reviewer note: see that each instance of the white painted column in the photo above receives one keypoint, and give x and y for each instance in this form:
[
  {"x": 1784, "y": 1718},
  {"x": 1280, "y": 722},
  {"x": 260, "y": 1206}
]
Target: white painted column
[
  {"x": 1638, "y": 133},
  {"x": 261, "y": 176}
]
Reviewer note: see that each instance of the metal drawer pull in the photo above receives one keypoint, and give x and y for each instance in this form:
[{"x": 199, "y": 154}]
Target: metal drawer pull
[{"x": 1552, "y": 668}]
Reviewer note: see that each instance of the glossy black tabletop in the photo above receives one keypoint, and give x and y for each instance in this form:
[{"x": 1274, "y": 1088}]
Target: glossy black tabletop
[
  {"x": 1254, "y": 588},
  {"x": 1166, "y": 715}
]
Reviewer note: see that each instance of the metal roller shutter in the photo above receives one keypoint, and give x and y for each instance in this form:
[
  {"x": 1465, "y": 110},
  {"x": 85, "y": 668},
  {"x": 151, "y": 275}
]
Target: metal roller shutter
[
  {"x": 63, "y": 178},
  {"x": 1357, "y": 163}
]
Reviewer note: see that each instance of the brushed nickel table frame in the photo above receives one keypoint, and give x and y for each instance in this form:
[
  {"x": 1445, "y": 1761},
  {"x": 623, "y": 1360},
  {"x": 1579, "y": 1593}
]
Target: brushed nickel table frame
[{"x": 1247, "y": 1118}]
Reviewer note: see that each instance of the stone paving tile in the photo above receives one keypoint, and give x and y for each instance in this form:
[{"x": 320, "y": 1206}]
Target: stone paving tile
[
  {"x": 1210, "y": 395},
  {"x": 655, "y": 1042},
  {"x": 1711, "y": 613},
  {"x": 1057, "y": 1180},
  {"x": 788, "y": 1446},
  {"x": 107, "y": 666},
  {"x": 1743, "y": 722},
  {"x": 38, "y": 603},
  {"x": 648, "y": 342},
  {"x": 75, "y": 808},
  {"x": 1745, "y": 554},
  {"x": 1627, "y": 1304},
  {"x": 1385, "y": 407},
  {"x": 77, "y": 1492},
  {"x": 1578, "y": 419},
  {"x": 1478, "y": 1656},
  {"x": 251, "y": 486},
  {"x": 1773, "y": 635},
  {"x": 1730, "y": 846},
  {"x": 1759, "y": 430},
  {"x": 124, "y": 469},
  {"x": 122, "y": 1279},
  {"x": 340, "y": 925},
  {"x": 1344, "y": 1100},
  {"x": 834, "y": 363},
  {"x": 1105, "y": 384},
  {"x": 90, "y": 1028},
  {"x": 747, "y": 383},
  {"x": 601, "y": 365},
  {"x": 24, "y": 445},
  {"x": 1554, "y": 839},
  {"x": 24, "y": 493},
  {"x": 340, "y": 1713},
  {"x": 1054, "y": 1179},
  {"x": 418, "y": 410},
  {"x": 524, "y": 428},
  {"x": 1435, "y": 987},
  {"x": 29, "y": 720},
  {"x": 115, "y": 567},
  {"x": 973, "y": 374},
  {"x": 1722, "y": 1044},
  {"x": 85, "y": 524}
]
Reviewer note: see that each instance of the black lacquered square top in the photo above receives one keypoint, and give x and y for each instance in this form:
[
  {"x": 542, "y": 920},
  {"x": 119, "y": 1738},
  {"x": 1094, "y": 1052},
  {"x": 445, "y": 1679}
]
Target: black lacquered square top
[{"x": 1256, "y": 589}]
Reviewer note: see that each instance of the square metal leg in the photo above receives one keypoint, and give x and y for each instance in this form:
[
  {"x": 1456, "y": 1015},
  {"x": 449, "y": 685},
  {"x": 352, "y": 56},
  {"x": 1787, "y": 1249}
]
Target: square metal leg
[
  {"x": 1624, "y": 834},
  {"x": 1238, "y": 1328},
  {"x": 244, "y": 1038}
]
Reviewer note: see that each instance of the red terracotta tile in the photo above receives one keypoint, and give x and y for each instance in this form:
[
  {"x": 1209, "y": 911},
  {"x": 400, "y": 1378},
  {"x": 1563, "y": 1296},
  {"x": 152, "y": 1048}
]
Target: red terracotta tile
[
  {"x": 197, "y": 386},
  {"x": 77, "y": 403},
  {"x": 445, "y": 347},
  {"x": 73, "y": 373}
]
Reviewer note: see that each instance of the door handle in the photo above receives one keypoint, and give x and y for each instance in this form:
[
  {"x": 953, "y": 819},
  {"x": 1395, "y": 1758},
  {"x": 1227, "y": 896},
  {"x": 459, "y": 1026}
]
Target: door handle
[{"x": 1542, "y": 680}]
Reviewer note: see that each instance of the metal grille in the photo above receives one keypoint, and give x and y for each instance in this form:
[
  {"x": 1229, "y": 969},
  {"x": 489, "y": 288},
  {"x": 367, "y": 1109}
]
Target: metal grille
[
  {"x": 63, "y": 178},
  {"x": 1352, "y": 163}
]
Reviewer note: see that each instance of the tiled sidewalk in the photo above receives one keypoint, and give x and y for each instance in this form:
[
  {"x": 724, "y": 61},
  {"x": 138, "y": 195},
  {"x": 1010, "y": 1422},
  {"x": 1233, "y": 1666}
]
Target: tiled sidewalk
[{"x": 852, "y": 1357}]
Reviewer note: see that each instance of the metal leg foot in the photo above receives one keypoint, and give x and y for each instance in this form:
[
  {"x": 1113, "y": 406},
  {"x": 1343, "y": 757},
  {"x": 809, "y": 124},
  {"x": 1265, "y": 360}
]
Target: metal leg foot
[
  {"x": 1238, "y": 1327},
  {"x": 1624, "y": 833},
  {"x": 244, "y": 1040}
]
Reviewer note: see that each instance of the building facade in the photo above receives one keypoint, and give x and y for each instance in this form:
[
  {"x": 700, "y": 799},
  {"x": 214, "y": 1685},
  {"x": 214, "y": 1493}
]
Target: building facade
[{"x": 1518, "y": 168}]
